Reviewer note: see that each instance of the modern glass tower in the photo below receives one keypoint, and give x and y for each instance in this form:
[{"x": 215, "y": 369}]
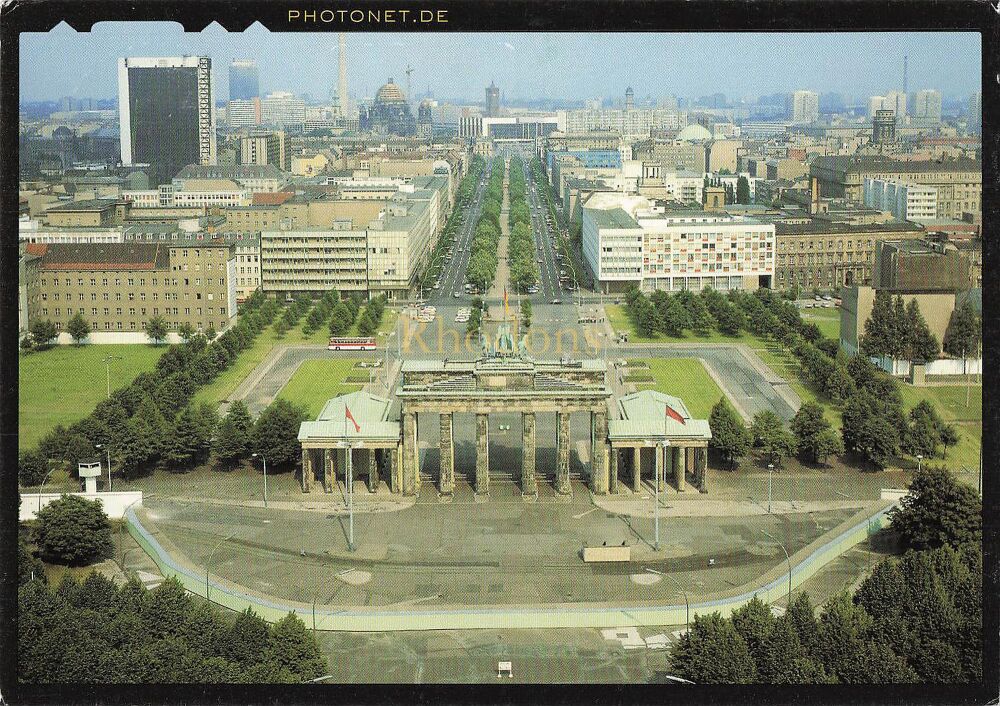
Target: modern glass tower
[
  {"x": 244, "y": 80},
  {"x": 165, "y": 108}
]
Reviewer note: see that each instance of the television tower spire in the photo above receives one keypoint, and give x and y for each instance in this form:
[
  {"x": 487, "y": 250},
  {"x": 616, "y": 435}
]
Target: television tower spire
[{"x": 342, "y": 80}]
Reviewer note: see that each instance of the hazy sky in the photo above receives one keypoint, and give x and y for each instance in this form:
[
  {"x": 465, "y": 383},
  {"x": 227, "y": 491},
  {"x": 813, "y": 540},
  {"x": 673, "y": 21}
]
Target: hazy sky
[{"x": 558, "y": 65}]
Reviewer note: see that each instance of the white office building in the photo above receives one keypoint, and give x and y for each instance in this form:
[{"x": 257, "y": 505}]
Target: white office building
[
  {"x": 628, "y": 241},
  {"x": 805, "y": 107},
  {"x": 927, "y": 105},
  {"x": 906, "y": 202},
  {"x": 282, "y": 108}
]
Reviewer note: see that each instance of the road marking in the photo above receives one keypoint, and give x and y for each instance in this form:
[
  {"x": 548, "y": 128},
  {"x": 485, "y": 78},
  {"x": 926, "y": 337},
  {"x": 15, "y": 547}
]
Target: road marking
[{"x": 582, "y": 514}]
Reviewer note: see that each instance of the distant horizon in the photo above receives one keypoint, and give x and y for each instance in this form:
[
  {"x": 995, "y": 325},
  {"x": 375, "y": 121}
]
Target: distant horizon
[{"x": 549, "y": 66}]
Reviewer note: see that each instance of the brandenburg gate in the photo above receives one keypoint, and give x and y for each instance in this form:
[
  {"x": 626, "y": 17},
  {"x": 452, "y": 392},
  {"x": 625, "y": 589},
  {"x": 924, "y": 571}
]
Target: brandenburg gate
[{"x": 631, "y": 436}]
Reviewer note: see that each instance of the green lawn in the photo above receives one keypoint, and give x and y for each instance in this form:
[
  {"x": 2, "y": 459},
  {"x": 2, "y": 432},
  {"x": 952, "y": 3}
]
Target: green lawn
[
  {"x": 685, "y": 378},
  {"x": 63, "y": 384},
  {"x": 828, "y": 321},
  {"x": 316, "y": 381},
  {"x": 949, "y": 400}
]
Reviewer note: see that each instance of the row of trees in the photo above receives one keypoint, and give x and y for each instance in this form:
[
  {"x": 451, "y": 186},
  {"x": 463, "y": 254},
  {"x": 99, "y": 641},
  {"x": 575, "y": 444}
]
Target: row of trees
[
  {"x": 153, "y": 420},
  {"x": 874, "y": 424},
  {"x": 914, "y": 619},
  {"x": 463, "y": 197},
  {"x": 673, "y": 314},
  {"x": 42, "y": 333},
  {"x": 482, "y": 267},
  {"x": 521, "y": 253},
  {"x": 809, "y": 434},
  {"x": 94, "y": 631}
]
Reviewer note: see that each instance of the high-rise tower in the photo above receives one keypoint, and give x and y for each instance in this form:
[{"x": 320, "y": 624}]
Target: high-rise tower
[
  {"x": 629, "y": 99},
  {"x": 492, "y": 101},
  {"x": 342, "y": 75},
  {"x": 166, "y": 113},
  {"x": 244, "y": 80}
]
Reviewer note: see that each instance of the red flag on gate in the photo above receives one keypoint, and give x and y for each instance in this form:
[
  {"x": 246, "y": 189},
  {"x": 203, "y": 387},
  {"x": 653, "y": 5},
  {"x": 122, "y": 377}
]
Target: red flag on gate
[
  {"x": 673, "y": 414},
  {"x": 348, "y": 415}
]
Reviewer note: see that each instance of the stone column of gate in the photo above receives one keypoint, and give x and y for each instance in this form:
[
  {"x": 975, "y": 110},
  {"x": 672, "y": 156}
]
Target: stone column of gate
[
  {"x": 702, "y": 460},
  {"x": 307, "y": 471},
  {"x": 447, "y": 480},
  {"x": 689, "y": 461},
  {"x": 372, "y": 470},
  {"x": 396, "y": 468},
  {"x": 599, "y": 454},
  {"x": 562, "y": 453},
  {"x": 410, "y": 451},
  {"x": 613, "y": 455},
  {"x": 482, "y": 454},
  {"x": 636, "y": 468},
  {"x": 528, "y": 485},
  {"x": 416, "y": 452},
  {"x": 678, "y": 463},
  {"x": 329, "y": 469}
]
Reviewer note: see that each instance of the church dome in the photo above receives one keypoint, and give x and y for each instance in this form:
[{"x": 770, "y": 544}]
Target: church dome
[
  {"x": 390, "y": 93},
  {"x": 694, "y": 133}
]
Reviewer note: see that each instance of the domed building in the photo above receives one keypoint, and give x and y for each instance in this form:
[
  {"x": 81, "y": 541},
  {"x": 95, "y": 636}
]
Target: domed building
[
  {"x": 389, "y": 113},
  {"x": 694, "y": 133}
]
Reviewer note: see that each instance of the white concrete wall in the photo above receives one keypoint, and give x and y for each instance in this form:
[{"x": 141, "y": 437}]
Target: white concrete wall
[
  {"x": 105, "y": 337},
  {"x": 944, "y": 366},
  {"x": 115, "y": 503}
]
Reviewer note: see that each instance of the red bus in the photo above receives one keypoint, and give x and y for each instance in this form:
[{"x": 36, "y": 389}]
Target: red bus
[{"x": 351, "y": 343}]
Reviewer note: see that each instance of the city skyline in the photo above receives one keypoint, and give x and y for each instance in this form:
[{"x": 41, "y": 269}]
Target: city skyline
[{"x": 460, "y": 65}]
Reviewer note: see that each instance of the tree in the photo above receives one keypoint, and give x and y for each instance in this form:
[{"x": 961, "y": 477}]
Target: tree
[
  {"x": 729, "y": 435},
  {"x": 938, "y": 511},
  {"x": 838, "y": 385},
  {"x": 281, "y": 328},
  {"x": 29, "y": 567},
  {"x": 869, "y": 428},
  {"x": 712, "y": 652},
  {"x": 961, "y": 339},
  {"x": 921, "y": 345},
  {"x": 882, "y": 329},
  {"x": 275, "y": 434},
  {"x": 782, "y": 659},
  {"x": 31, "y": 468},
  {"x": 742, "y": 190},
  {"x": 341, "y": 319},
  {"x": 183, "y": 443},
  {"x": 232, "y": 444},
  {"x": 247, "y": 639},
  {"x": 42, "y": 333},
  {"x": 156, "y": 330},
  {"x": 74, "y": 531},
  {"x": 754, "y": 622},
  {"x": 210, "y": 333},
  {"x": 294, "y": 648},
  {"x": 774, "y": 441},
  {"x": 923, "y": 434},
  {"x": 675, "y": 317},
  {"x": 185, "y": 331},
  {"x": 78, "y": 327},
  {"x": 813, "y": 433},
  {"x": 949, "y": 437}
]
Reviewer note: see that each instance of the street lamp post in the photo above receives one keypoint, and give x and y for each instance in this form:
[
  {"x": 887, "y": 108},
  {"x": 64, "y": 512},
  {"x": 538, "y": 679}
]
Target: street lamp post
[
  {"x": 40, "y": 488},
  {"x": 920, "y": 459},
  {"x": 106, "y": 447},
  {"x": 656, "y": 498},
  {"x": 264, "y": 459},
  {"x": 208, "y": 562},
  {"x": 350, "y": 497},
  {"x": 788, "y": 559},
  {"x": 687, "y": 604},
  {"x": 770, "y": 470},
  {"x": 107, "y": 365},
  {"x": 122, "y": 529}
]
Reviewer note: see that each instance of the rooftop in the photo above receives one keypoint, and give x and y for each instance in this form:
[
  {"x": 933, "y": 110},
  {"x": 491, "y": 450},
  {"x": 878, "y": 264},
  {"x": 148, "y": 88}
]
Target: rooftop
[
  {"x": 612, "y": 218},
  {"x": 237, "y": 172},
  {"x": 102, "y": 256},
  {"x": 86, "y": 205},
  {"x": 887, "y": 164}
]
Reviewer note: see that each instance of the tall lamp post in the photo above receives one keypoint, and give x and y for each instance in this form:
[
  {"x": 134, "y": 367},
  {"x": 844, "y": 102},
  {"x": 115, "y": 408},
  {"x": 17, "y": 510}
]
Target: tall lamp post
[
  {"x": 40, "y": 488},
  {"x": 262, "y": 458},
  {"x": 208, "y": 562},
  {"x": 920, "y": 460},
  {"x": 788, "y": 559},
  {"x": 106, "y": 447},
  {"x": 107, "y": 365},
  {"x": 687, "y": 604},
  {"x": 770, "y": 470}
]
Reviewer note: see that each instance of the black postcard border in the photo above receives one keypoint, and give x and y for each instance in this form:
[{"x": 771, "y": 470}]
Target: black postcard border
[{"x": 980, "y": 16}]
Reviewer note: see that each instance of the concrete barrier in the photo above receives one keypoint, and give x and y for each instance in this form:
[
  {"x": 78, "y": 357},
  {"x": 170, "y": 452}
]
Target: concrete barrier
[{"x": 115, "y": 503}]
